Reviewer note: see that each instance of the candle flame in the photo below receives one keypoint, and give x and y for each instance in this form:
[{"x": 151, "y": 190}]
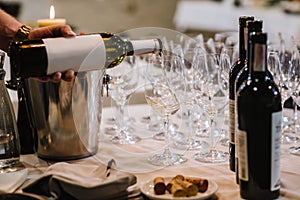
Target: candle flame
[{"x": 52, "y": 12}]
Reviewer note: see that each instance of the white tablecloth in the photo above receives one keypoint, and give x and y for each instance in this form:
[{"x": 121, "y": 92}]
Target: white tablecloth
[{"x": 132, "y": 158}]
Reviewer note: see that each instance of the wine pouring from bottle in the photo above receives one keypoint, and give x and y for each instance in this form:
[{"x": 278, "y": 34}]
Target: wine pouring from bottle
[
  {"x": 68, "y": 113},
  {"x": 42, "y": 57}
]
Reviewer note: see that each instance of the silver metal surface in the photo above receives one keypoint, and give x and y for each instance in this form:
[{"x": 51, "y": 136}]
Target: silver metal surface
[{"x": 67, "y": 115}]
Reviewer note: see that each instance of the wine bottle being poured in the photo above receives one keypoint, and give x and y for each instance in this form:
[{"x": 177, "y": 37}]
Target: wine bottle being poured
[{"x": 31, "y": 58}]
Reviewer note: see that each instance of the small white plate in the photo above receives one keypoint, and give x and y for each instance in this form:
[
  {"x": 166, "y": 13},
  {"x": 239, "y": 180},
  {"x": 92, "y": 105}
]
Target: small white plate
[{"x": 148, "y": 190}]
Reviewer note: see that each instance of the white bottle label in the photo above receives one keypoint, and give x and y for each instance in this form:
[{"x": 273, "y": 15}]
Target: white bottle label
[
  {"x": 80, "y": 53},
  {"x": 275, "y": 157},
  {"x": 242, "y": 155}
]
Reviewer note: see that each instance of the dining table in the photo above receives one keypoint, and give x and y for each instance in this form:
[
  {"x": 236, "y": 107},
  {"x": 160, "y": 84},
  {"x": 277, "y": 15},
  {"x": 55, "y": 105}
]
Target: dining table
[{"x": 133, "y": 159}]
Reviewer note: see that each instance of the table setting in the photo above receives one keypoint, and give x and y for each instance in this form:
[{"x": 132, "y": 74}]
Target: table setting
[{"x": 186, "y": 97}]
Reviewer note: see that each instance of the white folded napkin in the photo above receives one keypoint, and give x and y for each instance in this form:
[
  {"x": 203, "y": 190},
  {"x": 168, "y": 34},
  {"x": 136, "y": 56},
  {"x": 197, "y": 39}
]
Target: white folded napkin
[
  {"x": 81, "y": 181},
  {"x": 10, "y": 181}
]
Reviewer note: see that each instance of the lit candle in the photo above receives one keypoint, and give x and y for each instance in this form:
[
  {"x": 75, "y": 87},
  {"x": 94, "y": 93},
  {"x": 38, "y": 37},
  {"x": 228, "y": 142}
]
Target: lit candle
[{"x": 51, "y": 21}]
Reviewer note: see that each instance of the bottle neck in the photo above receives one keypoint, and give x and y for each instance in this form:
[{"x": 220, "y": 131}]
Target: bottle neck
[
  {"x": 139, "y": 47},
  {"x": 243, "y": 38},
  {"x": 258, "y": 57}
]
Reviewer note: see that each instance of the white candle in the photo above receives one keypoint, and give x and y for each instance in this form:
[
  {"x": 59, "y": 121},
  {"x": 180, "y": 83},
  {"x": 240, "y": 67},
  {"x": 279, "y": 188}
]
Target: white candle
[{"x": 52, "y": 20}]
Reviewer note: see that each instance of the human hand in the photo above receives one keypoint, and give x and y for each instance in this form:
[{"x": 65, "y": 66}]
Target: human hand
[
  {"x": 54, "y": 31},
  {"x": 51, "y": 31}
]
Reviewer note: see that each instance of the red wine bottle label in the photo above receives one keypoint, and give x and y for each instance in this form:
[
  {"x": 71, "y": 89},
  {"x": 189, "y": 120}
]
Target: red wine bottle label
[
  {"x": 275, "y": 157},
  {"x": 80, "y": 53}
]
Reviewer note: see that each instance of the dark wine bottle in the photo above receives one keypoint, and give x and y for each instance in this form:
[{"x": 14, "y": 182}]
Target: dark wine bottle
[
  {"x": 252, "y": 26},
  {"x": 235, "y": 69},
  {"x": 42, "y": 57},
  {"x": 259, "y": 127}
]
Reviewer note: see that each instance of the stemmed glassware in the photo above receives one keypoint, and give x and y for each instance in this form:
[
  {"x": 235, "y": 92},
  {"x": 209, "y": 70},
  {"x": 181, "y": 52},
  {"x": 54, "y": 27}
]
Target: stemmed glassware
[
  {"x": 223, "y": 77},
  {"x": 295, "y": 87},
  {"x": 181, "y": 81},
  {"x": 124, "y": 81},
  {"x": 212, "y": 99},
  {"x": 164, "y": 102},
  {"x": 280, "y": 69}
]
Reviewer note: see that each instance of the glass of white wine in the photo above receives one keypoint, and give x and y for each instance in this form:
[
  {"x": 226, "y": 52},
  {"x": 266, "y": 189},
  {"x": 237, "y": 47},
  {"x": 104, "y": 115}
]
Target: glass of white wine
[{"x": 164, "y": 103}]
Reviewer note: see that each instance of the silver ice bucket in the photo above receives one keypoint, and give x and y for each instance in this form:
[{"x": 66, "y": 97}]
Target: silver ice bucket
[{"x": 66, "y": 115}]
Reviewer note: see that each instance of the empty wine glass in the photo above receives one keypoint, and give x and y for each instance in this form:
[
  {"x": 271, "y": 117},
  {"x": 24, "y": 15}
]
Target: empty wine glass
[
  {"x": 124, "y": 81},
  {"x": 295, "y": 86},
  {"x": 198, "y": 89},
  {"x": 281, "y": 76},
  {"x": 294, "y": 82},
  {"x": 223, "y": 78},
  {"x": 213, "y": 98},
  {"x": 285, "y": 52},
  {"x": 165, "y": 103},
  {"x": 180, "y": 75}
]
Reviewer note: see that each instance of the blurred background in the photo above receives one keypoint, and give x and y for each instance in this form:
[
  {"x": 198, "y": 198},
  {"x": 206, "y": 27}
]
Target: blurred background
[
  {"x": 193, "y": 17},
  {"x": 99, "y": 15},
  {"x": 188, "y": 16}
]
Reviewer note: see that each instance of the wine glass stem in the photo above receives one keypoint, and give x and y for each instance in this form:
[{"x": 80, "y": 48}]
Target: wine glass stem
[
  {"x": 295, "y": 117},
  {"x": 212, "y": 143},
  {"x": 121, "y": 115},
  {"x": 167, "y": 135}
]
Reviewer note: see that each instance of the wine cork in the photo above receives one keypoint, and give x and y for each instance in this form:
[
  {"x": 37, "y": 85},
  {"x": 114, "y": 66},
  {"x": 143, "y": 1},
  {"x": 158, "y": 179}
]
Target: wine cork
[
  {"x": 175, "y": 188},
  {"x": 159, "y": 186},
  {"x": 202, "y": 184},
  {"x": 179, "y": 178},
  {"x": 190, "y": 188}
]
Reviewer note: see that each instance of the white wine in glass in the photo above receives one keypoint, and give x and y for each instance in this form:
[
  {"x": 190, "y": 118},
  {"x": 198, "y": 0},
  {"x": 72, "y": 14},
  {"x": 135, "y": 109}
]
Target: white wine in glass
[{"x": 164, "y": 103}]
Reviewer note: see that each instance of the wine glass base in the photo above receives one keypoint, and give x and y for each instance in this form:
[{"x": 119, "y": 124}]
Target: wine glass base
[
  {"x": 146, "y": 119},
  {"x": 12, "y": 167},
  {"x": 289, "y": 139},
  {"x": 110, "y": 130},
  {"x": 202, "y": 133},
  {"x": 125, "y": 139},
  {"x": 224, "y": 142},
  {"x": 198, "y": 144},
  {"x": 114, "y": 129},
  {"x": 166, "y": 160},
  {"x": 161, "y": 135},
  {"x": 212, "y": 156},
  {"x": 111, "y": 120},
  {"x": 191, "y": 144},
  {"x": 295, "y": 150}
]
